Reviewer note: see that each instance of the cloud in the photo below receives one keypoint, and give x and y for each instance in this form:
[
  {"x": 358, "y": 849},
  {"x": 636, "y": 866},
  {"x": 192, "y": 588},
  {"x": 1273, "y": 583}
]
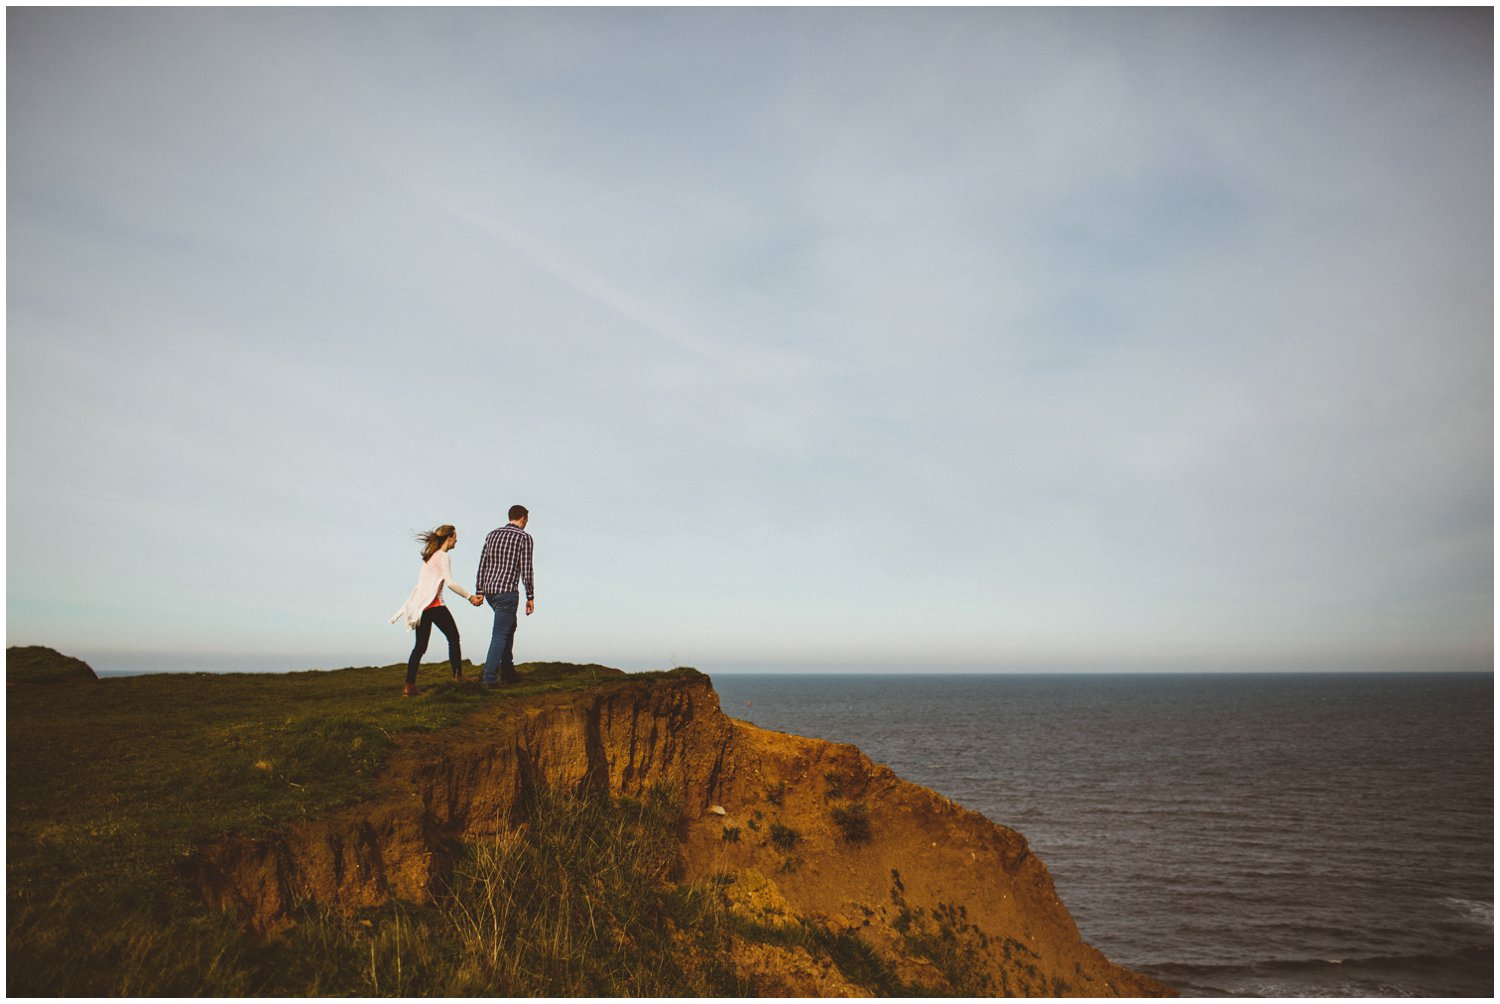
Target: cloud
[{"x": 1077, "y": 334}]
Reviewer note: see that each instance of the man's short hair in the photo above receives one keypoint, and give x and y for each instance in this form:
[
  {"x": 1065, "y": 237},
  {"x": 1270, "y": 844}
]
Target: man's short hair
[{"x": 518, "y": 512}]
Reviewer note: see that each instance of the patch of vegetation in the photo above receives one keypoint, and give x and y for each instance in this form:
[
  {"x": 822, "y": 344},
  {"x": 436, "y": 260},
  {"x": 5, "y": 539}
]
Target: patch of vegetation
[
  {"x": 110, "y": 784},
  {"x": 861, "y": 965},
  {"x": 776, "y": 793},
  {"x": 853, "y": 822},
  {"x": 573, "y": 903},
  {"x": 784, "y": 838},
  {"x": 855, "y": 959},
  {"x": 577, "y": 904},
  {"x": 731, "y": 834},
  {"x": 1019, "y": 975},
  {"x": 944, "y": 937}
]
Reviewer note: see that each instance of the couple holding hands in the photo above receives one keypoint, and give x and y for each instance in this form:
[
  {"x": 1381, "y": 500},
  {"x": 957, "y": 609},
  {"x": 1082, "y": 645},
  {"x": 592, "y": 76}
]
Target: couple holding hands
[{"x": 504, "y": 565}]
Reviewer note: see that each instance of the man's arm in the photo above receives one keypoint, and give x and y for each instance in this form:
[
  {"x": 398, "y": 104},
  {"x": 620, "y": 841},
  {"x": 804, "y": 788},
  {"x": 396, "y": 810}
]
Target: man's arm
[{"x": 527, "y": 576}]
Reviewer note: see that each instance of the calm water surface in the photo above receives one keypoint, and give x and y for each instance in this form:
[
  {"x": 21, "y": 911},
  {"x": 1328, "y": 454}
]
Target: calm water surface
[{"x": 1249, "y": 834}]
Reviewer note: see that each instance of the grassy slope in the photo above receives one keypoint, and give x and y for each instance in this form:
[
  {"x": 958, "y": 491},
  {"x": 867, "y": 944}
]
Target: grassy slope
[
  {"x": 109, "y": 783},
  {"x": 137, "y": 769}
]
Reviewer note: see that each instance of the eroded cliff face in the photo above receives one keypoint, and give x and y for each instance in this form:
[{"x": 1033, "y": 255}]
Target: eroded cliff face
[{"x": 799, "y": 828}]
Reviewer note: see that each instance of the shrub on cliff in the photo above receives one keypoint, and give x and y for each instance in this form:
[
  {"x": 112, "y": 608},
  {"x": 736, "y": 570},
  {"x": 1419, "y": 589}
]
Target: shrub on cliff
[{"x": 853, "y": 822}]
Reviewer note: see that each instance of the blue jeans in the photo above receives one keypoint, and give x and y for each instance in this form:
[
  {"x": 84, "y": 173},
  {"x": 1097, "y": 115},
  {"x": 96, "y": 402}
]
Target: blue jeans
[{"x": 501, "y": 656}]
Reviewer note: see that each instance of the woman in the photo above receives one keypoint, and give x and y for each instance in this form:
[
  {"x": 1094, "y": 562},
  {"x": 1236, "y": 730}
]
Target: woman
[{"x": 424, "y": 607}]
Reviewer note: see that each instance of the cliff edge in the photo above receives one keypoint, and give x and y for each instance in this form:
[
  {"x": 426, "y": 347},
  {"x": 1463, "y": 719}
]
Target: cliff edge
[{"x": 799, "y": 834}]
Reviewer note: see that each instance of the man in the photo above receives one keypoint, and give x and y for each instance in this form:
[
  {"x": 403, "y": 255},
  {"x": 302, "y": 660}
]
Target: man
[{"x": 504, "y": 564}]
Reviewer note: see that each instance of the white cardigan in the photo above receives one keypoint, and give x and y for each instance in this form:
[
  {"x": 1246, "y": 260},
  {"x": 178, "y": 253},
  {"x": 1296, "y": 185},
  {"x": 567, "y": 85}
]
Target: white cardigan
[{"x": 436, "y": 571}]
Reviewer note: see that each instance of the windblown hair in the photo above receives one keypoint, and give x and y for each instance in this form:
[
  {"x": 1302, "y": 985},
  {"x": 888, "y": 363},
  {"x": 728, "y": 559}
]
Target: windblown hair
[{"x": 433, "y": 539}]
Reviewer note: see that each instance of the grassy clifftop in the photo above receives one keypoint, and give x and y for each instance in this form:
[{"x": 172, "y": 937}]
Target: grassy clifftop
[
  {"x": 112, "y": 783},
  {"x": 158, "y": 761},
  {"x": 588, "y": 832}
]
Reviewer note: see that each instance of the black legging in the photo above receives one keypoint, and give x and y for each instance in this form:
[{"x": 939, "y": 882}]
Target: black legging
[{"x": 444, "y": 620}]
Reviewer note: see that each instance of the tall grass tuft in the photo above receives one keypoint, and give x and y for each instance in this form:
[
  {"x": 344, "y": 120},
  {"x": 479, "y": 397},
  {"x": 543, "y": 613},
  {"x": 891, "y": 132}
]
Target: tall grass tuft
[{"x": 573, "y": 902}]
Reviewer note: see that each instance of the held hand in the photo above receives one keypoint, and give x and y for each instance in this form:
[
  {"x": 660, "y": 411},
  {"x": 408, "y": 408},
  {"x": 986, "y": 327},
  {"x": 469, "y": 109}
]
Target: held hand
[
  {"x": 476, "y": 599},
  {"x": 530, "y": 606}
]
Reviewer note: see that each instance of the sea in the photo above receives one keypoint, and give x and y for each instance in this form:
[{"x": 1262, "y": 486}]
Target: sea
[{"x": 1233, "y": 835}]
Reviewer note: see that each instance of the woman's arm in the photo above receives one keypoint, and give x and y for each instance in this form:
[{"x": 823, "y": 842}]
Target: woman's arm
[{"x": 445, "y": 568}]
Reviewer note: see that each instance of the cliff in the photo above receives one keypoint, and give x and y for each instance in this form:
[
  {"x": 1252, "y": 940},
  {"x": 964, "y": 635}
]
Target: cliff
[{"x": 799, "y": 834}]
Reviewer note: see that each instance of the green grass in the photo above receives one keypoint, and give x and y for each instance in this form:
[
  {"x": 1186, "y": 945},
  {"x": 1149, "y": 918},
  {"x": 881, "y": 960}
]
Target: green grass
[
  {"x": 110, "y": 784},
  {"x": 574, "y": 903},
  {"x": 578, "y": 904}
]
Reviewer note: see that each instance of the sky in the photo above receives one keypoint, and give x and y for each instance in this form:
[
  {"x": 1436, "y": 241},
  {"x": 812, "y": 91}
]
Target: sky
[{"x": 976, "y": 338}]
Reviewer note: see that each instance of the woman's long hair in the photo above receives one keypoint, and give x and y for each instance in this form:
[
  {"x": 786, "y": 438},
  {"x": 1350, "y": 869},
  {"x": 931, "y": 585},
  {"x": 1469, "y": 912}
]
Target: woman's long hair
[{"x": 433, "y": 539}]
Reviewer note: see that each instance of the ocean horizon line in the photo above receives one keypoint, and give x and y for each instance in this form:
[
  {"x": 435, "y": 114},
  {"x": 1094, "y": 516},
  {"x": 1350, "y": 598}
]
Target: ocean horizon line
[
  {"x": 113, "y": 664},
  {"x": 213, "y": 668}
]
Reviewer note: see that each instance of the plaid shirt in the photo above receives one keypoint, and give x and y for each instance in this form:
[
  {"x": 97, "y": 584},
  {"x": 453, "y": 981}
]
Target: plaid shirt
[{"x": 506, "y": 559}]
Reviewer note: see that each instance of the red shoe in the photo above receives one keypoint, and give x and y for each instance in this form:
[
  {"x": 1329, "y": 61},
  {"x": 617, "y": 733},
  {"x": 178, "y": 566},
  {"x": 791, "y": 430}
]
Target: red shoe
[{"x": 411, "y": 691}]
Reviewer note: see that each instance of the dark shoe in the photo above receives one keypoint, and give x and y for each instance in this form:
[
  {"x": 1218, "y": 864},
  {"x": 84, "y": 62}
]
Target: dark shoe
[
  {"x": 411, "y": 691},
  {"x": 512, "y": 678},
  {"x": 487, "y": 685}
]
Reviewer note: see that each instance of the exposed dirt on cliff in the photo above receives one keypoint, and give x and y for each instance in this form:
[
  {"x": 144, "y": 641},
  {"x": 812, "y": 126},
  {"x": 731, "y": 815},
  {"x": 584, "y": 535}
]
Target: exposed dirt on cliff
[{"x": 798, "y": 832}]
